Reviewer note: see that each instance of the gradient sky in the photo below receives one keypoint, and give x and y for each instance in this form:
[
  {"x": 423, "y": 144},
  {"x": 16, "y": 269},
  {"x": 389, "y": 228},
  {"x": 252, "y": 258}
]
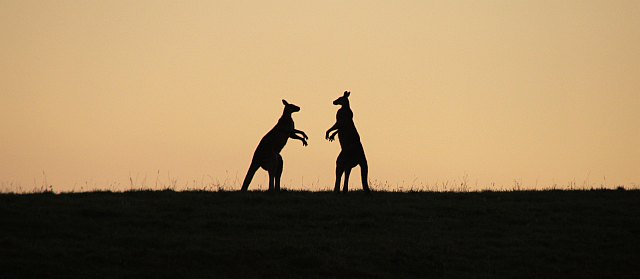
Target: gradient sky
[{"x": 541, "y": 92}]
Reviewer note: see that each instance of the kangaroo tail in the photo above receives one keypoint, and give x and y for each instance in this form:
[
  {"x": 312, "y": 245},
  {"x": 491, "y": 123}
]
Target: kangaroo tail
[{"x": 247, "y": 179}]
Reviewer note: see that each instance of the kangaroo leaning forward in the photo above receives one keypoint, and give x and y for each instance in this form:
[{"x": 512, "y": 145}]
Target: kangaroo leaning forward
[
  {"x": 267, "y": 154},
  {"x": 352, "y": 153}
]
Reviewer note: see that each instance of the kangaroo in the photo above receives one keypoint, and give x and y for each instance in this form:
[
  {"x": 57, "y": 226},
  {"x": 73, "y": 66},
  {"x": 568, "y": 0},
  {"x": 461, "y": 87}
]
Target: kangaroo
[
  {"x": 352, "y": 153},
  {"x": 267, "y": 154}
]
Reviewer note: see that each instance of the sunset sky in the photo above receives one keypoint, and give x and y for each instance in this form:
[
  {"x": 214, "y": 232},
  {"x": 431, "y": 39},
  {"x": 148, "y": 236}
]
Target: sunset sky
[{"x": 96, "y": 94}]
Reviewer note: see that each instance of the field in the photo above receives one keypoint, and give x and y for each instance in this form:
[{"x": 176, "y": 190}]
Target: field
[{"x": 166, "y": 234}]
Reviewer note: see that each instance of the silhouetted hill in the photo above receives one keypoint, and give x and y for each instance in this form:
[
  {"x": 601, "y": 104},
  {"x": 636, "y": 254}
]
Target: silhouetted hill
[{"x": 165, "y": 234}]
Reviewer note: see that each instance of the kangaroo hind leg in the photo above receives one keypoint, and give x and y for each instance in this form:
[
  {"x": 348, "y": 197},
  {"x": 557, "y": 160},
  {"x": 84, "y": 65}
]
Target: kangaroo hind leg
[
  {"x": 347, "y": 173},
  {"x": 364, "y": 172},
  {"x": 278, "y": 173},
  {"x": 340, "y": 168},
  {"x": 270, "y": 164},
  {"x": 339, "y": 172}
]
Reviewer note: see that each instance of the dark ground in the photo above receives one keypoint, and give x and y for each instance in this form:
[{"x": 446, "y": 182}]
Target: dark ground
[{"x": 165, "y": 234}]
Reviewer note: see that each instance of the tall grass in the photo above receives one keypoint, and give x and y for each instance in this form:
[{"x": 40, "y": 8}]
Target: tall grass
[{"x": 165, "y": 181}]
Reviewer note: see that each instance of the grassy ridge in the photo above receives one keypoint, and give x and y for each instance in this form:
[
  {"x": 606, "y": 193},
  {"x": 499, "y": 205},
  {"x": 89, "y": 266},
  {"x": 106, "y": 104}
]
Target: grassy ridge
[{"x": 587, "y": 234}]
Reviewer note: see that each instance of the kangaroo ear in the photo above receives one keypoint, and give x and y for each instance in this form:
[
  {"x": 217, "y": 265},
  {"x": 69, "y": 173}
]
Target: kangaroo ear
[
  {"x": 347, "y": 93},
  {"x": 284, "y": 102}
]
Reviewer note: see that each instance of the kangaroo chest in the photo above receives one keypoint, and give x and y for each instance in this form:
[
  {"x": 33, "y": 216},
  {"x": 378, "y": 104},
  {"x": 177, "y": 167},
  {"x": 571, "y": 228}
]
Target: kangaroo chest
[{"x": 347, "y": 133}]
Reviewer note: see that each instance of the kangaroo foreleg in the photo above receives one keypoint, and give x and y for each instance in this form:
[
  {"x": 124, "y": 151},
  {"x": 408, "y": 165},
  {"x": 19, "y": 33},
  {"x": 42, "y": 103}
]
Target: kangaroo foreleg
[
  {"x": 332, "y": 137},
  {"x": 296, "y": 136},
  {"x": 334, "y": 127},
  {"x": 301, "y": 132}
]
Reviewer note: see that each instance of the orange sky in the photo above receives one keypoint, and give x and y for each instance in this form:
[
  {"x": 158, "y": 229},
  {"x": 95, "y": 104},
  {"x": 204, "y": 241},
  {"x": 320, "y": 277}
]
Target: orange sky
[{"x": 542, "y": 92}]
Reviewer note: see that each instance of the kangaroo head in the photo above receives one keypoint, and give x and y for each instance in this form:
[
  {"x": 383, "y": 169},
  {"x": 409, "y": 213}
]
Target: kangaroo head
[
  {"x": 343, "y": 100},
  {"x": 290, "y": 108}
]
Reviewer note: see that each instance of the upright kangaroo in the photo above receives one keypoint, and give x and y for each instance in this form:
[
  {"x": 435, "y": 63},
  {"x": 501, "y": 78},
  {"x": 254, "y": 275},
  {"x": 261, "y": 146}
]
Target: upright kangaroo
[
  {"x": 352, "y": 153},
  {"x": 267, "y": 154}
]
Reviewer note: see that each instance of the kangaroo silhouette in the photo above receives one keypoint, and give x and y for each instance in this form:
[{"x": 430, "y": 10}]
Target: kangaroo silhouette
[
  {"x": 352, "y": 153},
  {"x": 267, "y": 154}
]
